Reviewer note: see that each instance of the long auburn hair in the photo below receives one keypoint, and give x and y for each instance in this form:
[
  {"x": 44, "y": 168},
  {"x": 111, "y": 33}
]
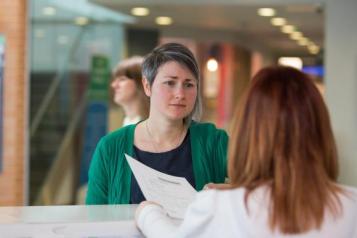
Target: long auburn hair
[{"x": 283, "y": 139}]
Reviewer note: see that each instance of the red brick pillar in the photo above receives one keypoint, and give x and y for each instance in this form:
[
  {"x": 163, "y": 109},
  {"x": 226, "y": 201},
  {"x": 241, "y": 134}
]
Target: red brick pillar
[{"x": 13, "y": 179}]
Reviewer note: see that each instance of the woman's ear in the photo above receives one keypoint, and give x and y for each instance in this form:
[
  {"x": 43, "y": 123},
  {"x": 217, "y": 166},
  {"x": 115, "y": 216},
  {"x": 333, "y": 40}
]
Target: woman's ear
[{"x": 146, "y": 86}]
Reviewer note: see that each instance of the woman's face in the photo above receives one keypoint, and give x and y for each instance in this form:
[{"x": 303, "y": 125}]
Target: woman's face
[
  {"x": 125, "y": 90},
  {"x": 173, "y": 92}
]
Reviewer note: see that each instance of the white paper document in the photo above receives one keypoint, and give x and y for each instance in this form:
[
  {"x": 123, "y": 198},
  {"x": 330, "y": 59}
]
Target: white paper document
[{"x": 173, "y": 193}]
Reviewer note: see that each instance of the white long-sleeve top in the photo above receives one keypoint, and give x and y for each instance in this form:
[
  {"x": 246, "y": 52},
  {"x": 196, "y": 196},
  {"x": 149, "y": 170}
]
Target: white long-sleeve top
[{"x": 222, "y": 213}]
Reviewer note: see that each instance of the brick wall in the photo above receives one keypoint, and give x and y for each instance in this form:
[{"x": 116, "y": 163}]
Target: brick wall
[{"x": 13, "y": 25}]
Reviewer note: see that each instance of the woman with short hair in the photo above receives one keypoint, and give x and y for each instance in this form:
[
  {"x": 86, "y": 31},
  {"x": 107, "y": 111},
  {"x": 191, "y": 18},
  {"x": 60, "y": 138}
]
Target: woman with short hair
[{"x": 170, "y": 140}]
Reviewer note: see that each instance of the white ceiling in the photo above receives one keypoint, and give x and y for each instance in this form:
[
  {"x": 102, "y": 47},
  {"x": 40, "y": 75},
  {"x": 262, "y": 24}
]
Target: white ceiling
[{"x": 222, "y": 18}]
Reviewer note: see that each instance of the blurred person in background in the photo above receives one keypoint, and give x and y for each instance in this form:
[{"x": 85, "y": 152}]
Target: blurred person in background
[
  {"x": 282, "y": 167},
  {"x": 128, "y": 93},
  {"x": 170, "y": 140},
  {"x": 128, "y": 90}
]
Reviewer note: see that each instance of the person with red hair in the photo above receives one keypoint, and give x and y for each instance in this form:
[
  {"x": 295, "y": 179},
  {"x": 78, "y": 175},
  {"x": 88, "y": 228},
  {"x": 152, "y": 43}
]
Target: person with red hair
[{"x": 282, "y": 169}]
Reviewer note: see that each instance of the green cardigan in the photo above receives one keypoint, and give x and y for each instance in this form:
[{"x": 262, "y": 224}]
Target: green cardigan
[{"x": 110, "y": 174}]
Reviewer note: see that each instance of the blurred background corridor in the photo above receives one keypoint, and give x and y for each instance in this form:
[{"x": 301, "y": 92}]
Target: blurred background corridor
[{"x": 58, "y": 101}]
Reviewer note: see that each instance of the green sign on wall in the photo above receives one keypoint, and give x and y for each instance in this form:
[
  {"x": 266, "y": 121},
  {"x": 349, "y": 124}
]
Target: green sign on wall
[
  {"x": 100, "y": 75},
  {"x": 96, "y": 113}
]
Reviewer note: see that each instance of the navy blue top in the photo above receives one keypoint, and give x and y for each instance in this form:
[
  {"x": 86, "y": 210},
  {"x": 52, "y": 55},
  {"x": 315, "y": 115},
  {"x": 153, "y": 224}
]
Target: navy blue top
[{"x": 176, "y": 162}]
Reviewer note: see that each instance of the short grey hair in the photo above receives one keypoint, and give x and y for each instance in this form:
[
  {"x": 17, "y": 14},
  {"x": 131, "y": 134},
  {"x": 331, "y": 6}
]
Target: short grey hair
[{"x": 182, "y": 55}]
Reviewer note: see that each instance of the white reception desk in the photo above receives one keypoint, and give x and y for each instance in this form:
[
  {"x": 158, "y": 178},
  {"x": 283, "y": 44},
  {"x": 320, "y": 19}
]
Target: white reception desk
[{"x": 102, "y": 221}]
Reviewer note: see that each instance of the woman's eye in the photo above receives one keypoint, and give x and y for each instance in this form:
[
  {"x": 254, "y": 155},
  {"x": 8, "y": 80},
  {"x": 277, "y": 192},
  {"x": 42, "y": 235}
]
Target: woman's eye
[
  {"x": 170, "y": 83},
  {"x": 189, "y": 85}
]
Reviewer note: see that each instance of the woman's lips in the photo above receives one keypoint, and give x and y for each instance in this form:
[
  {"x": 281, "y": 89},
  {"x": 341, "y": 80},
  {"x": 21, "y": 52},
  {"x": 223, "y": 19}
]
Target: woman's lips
[{"x": 178, "y": 105}]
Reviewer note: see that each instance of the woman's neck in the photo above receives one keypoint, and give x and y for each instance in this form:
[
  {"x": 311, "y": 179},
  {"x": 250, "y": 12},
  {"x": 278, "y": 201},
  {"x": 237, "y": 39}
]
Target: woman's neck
[
  {"x": 133, "y": 109},
  {"x": 165, "y": 131}
]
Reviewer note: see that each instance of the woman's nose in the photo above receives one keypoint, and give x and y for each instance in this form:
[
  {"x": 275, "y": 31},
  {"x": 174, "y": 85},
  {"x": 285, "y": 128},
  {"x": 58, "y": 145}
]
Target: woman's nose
[
  {"x": 114, "y": 83},
  {"x": 179, "y": 92}
]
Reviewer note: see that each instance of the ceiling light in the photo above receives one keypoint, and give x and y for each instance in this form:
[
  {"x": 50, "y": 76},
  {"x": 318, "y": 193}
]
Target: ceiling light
[
  {"x": 140, "y": 11},
  {"x": 266, "y": 12},
  {"x": 287, "y": 29},
  {"x": 297, "y": 34},
  {"x": 303, "y": 41},
  {"x": 310, "y": 44},
  {"x": 314, "y": 49},
  {"x": 278, "y": 21},
  {"x": 81, "y": 21},
  {"x": 163, "y": 21},
  {"x": 212, "y": 65},
  {"x": 49, "y": 11},
  {"x": 295, "y": 37},
  {"x": 295, "y": 62}
]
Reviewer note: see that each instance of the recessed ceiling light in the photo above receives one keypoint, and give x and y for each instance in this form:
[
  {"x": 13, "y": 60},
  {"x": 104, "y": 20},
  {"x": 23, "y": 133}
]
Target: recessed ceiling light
[
  {"x": 310, "y": 44},
  {"x": 296, "y": 35},
  {"x": 49, "y": 11},
  {"x": 266, "y": 12},
  {"x": 295, "y": 62},
  {"x": 163, "y": 20},
  {"x": 303, "y": 41},
  {"x": 81, "y": 21},
  {"x": 212, "y": 65},
  {"x": 140, "y": 11},
  {"x": 314, "y": 49},
  {"x": 287, "y": 29},
  {"x": 278, "y": 21}
]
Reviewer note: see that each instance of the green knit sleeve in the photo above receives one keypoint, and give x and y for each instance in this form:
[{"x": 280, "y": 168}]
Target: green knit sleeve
[
  {"x": 98, "y": 177},
  {"x": 221, "y": 155},
  {"x": 209, "y": 153}
]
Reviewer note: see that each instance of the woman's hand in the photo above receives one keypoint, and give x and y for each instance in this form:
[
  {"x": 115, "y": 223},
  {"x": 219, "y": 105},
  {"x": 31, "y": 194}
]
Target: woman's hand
[
  {"x": 140, "y": 208},
  {"x": 217, "y": 186}
]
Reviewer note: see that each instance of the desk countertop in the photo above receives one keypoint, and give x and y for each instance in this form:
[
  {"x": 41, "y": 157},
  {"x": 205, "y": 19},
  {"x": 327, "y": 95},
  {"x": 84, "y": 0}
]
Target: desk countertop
[{"x": 69, "y": 221}]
